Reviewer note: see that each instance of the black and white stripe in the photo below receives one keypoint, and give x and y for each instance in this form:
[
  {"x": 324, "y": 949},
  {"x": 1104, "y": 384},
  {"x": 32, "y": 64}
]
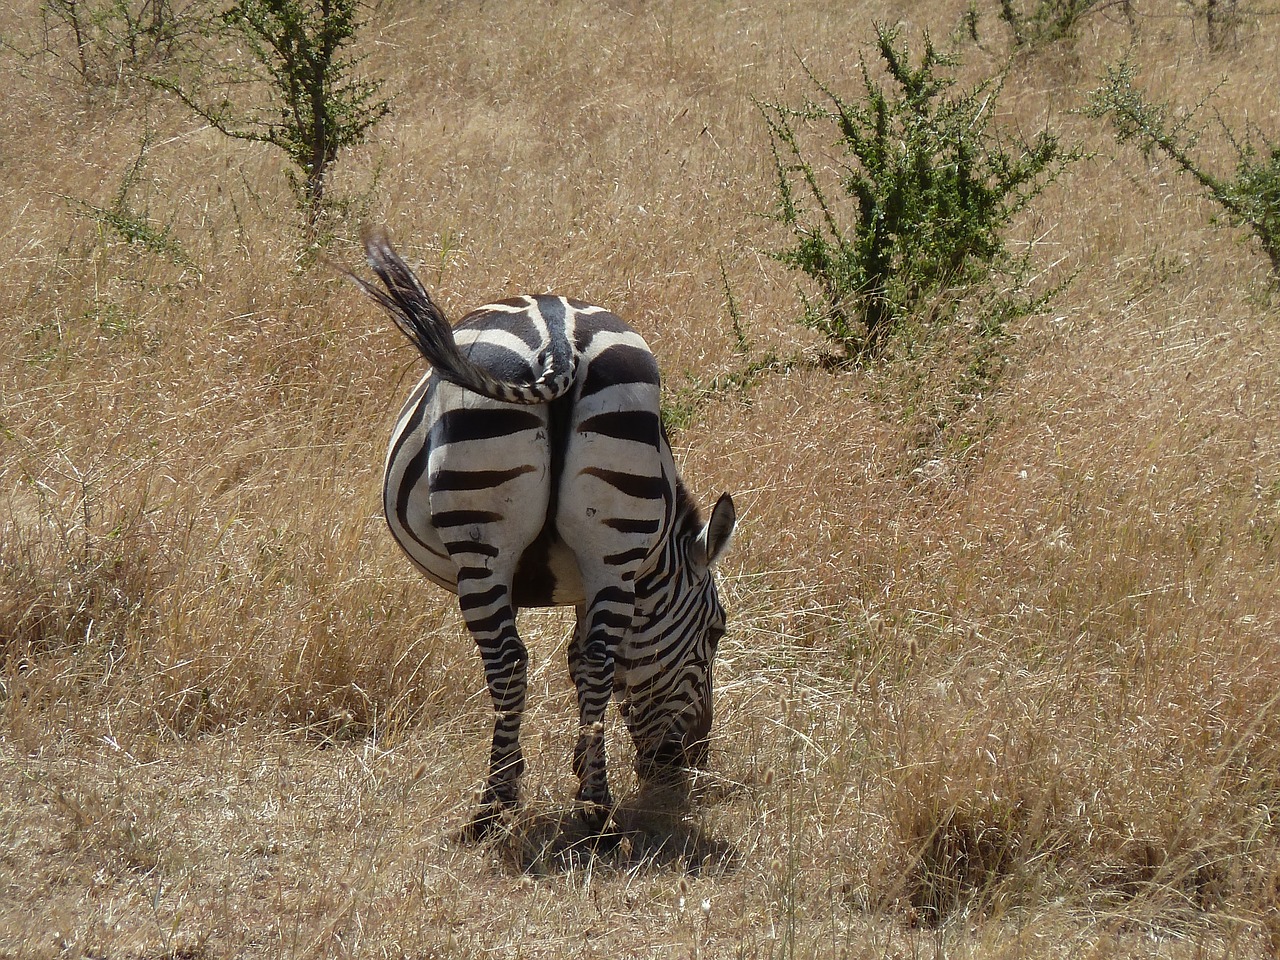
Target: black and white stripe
[{"x": 529, "y": 467}]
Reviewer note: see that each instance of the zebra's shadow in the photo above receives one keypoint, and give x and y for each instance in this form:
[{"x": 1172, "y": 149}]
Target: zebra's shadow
[{"x": 653, "y": 829}]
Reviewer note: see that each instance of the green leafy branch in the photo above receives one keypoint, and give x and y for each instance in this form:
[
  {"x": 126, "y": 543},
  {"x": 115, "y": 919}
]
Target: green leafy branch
[
  {"x": 317, "y": 104},
  {"x": 920, "y": 198},
  {"x": 1249, "y": 199}
]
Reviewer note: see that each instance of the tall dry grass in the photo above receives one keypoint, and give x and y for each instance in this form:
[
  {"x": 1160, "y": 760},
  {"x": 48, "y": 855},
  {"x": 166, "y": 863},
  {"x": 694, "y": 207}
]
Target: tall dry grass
[{"x": 1002, "y": 678}]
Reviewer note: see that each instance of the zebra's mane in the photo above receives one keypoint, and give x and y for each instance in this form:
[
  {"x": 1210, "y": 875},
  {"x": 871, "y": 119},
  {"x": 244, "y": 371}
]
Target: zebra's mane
[{"x": 688, "y": 518}]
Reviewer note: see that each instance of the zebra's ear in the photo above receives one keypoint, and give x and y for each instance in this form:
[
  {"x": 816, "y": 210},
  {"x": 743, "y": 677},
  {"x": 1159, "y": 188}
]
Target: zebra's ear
[{"x": 715, "y": 536}]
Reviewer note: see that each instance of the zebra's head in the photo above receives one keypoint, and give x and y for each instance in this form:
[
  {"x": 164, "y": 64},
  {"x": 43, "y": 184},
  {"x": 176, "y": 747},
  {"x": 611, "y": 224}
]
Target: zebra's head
[{"x": 664, "y": 674}]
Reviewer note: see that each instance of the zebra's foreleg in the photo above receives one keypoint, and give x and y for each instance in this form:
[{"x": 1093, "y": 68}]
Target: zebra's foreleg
[
  {"x": 492, "y": 621},
  {"x": 591, "y": 664}
]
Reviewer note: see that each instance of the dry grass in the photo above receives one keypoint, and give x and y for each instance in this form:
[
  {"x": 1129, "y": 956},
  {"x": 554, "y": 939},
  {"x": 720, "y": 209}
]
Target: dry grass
[{"x": 1003, "y": 677}]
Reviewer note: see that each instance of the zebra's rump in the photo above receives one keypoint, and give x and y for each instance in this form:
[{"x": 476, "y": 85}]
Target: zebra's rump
[{"x": 475, "y": 483}]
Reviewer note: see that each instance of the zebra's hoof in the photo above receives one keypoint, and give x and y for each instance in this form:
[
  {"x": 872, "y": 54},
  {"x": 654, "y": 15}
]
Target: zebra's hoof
[
  {"x": 603, "y": 843},
  {"x": 597, "y": 834},
  {"x": 489, "y": 821},
  {"x": 596, "y": 819},
  {"x": 664, "y": 778}
]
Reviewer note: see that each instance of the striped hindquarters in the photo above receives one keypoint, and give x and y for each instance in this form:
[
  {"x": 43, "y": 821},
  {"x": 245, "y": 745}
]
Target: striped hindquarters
[{"x": 583, "y": 480}]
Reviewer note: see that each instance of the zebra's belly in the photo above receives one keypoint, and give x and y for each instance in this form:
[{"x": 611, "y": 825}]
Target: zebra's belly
[{"x": 546, "y": 576}]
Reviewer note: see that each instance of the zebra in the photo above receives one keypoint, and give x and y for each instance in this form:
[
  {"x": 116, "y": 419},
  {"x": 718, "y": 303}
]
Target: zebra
[{"x": 530, "y": 467}]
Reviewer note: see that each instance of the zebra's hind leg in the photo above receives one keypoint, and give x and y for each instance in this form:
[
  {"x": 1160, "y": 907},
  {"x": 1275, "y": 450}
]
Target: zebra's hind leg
[
  {"x": 491, "y": 618},
  {"x": 591, "y": 664}
]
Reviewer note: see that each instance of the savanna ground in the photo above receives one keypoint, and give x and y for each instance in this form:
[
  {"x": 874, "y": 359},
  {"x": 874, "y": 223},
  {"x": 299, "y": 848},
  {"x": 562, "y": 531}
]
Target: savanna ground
[{"x": 1002, "y": 673}]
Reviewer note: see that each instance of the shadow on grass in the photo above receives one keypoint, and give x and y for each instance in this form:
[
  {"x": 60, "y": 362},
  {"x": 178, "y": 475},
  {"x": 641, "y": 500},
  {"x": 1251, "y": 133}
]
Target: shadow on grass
[{"x": 653, "y": 828}]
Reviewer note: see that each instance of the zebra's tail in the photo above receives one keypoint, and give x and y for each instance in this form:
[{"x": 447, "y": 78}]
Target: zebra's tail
[{"x": 418, "y": 317}]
